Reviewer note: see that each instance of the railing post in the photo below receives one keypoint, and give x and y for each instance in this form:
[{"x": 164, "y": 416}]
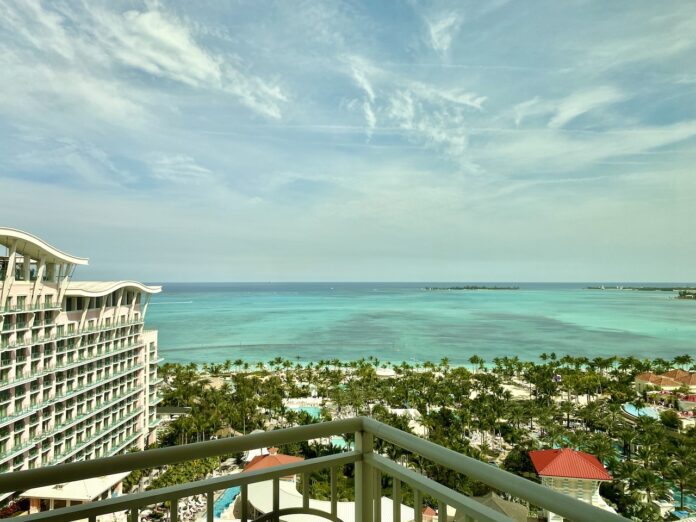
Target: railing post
[{"x": 364, "y": 505}]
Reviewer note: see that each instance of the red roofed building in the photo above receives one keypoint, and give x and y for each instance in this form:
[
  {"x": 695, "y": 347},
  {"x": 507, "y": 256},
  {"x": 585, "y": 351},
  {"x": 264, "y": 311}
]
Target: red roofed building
[
  {"x": 429, "y": 514},
  {"x": 648, "y": 380},
  {"x": 272, "y": 459},
  {"x": 573, "y": 473}
]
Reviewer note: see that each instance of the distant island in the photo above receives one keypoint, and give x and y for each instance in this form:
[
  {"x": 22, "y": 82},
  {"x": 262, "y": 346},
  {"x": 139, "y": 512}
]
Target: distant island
[
  {"x": 470, "y": 287},
  {"x": 683, "y": 291}
]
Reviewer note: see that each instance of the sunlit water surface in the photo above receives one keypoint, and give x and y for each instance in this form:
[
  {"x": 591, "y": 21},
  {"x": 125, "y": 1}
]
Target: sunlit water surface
[{"x": 399, "y": 321}]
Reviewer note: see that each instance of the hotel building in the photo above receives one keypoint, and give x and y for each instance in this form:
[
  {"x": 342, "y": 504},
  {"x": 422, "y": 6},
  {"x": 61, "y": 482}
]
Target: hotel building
[{"x": 78, "y": 372}]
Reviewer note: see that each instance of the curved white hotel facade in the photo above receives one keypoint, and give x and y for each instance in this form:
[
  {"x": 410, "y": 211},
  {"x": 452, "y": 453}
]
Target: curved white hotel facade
[{"x": 78, "y": 372}]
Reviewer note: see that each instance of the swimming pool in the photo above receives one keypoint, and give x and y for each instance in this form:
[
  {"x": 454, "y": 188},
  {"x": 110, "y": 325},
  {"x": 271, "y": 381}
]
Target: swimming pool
[
  {"x": 225, "y": 500},
  {"x": 340, "y": 442},
  {"x": 314, "y": 411},
  {"x": 689, "y": 500},
  {"x": 646, "y": 411}
]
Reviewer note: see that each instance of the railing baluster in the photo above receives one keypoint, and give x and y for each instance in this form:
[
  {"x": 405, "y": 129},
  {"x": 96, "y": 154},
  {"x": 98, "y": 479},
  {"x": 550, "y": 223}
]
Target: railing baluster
[
  {"x": 418, "y": 505},
  {"x": 174, "y": 509},
  {"x": 364, "y": 443},
  {"x": 133, "y": 514},
  {"x": 396, "y": 500},
  {"x": 244, "y": 503},
  {"x": 334, "y": 492},
  {"x": 377, "y": 495},
  {"x": 276, "y": 498},
  {"x": 92, "y": 518},
  {"x": 305, "y": 490},
  {"x": 209, "y": 506},
  {"x": 442, "y": 512}
]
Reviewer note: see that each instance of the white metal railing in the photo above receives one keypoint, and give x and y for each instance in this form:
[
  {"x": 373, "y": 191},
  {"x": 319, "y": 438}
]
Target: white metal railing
[{"x": 369, "y": 468}]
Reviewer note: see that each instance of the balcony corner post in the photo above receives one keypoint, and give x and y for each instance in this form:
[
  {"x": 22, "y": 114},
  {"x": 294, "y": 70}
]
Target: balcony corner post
[{"x": 364, "y": 501}]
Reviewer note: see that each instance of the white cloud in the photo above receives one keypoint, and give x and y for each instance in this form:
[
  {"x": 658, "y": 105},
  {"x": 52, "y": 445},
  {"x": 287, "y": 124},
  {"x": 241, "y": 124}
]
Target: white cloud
[
  {"x": 442, "y": 30},
  {"x": 564, "y": 110},
  {"x": 581, "y": 102},
  {"x": 179, "y": 168},
  {"x": 95, "y": 46},
  {"x": 70, "y": 162},
  {"x": 552, "y": 150}
]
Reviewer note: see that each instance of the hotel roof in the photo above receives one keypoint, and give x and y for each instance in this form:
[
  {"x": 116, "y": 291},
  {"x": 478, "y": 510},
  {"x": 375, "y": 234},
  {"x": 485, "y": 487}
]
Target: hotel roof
[
  {"x": 689, "y": 380},
  {"x": 657, "y": 380},
  {"x": 82, "y": 490},
  {"x": 99, "y": 288},
  {"x": 676, "y": 374},
  {"x": 36, "y": 248},
  {"x": 568, "y": 463}
]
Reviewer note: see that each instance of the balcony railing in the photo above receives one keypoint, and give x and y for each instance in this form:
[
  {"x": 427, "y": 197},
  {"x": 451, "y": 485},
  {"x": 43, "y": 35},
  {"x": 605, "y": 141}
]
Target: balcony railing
[{"x": 369, "y": 468}]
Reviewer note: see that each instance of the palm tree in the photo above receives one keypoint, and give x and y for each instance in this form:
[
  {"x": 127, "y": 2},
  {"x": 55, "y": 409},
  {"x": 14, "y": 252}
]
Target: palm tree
[
  {"x": 475, "y": 361},
  {"x": 567, "y": 408},
  {"x": 601, "y": 446},
  {"x": 683, "y": 474},
  {"x": 651, "y": 483},
  {"x": 682, "y": 360}
]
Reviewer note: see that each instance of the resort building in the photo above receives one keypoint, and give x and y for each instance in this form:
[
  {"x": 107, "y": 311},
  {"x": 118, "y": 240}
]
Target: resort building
[
  {"x": 78, "y": 372},
  {"x": 684, "y": 378},
  {"x": 669, "y": 381},
  {"x": 74, "y": 493},
  {"x": 272, "y": 459},
  {"x": 573, "y": 473},
  {"x": 649, "y": 381}
]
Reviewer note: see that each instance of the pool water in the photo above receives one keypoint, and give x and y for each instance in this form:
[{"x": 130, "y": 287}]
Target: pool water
[
  {"x": 314, "y": 411},
  {"x": 222, "y": 503},
  {"x": 340, "y": 442},
  {"x": 646, "y": 411},
  {"x": 689, "y": 500}
]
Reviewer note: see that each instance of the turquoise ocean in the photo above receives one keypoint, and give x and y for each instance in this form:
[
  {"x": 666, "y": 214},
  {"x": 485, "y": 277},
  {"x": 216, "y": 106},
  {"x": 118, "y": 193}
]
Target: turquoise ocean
[{"x": 211, "y": 322}]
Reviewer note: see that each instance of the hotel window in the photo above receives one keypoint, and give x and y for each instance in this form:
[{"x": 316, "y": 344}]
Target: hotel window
[{"x": 21, "y": 301}]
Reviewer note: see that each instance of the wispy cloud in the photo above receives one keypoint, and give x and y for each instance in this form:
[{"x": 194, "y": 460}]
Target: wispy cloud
[
  {"x": 564, "y": 110},
  {"x": 581, "y": 102},
  {"x": 179, "y": 168},
  {"x": 85, "y": 47},
  {"x": 442, "y": 30}
]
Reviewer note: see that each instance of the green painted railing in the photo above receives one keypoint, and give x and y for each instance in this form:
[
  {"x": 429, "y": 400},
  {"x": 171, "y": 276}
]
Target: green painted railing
[{"x": 369, "y": 467}]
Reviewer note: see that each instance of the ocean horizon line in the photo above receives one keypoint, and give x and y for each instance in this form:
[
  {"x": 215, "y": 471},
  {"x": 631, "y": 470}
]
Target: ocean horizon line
[{"x": 598, "y": 282}]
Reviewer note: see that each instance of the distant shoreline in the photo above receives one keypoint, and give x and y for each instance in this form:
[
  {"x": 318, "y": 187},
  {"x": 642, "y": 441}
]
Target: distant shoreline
[
  {"x": 680, "y": 289},
  {"x": 469, "y": 287}
]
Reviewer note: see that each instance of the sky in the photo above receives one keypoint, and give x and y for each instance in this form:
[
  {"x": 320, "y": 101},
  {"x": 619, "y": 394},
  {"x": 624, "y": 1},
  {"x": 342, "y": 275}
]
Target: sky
[{"x": 353, "y": 141}]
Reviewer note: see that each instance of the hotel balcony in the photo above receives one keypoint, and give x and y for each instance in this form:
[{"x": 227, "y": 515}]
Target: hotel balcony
[{"x": 371, "y": 503}]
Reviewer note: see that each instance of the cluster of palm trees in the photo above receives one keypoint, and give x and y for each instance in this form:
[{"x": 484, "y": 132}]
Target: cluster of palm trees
[{"x": 559, "y": 402}]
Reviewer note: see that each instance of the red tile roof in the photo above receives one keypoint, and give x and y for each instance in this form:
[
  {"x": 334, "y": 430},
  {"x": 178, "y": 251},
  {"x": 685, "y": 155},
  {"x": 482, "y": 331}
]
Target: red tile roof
[
  {"x": 689, "y": 380},
  {"x": 269, "y": 461},
  {"x": 657, "y": 380},
  {"x": 676, "y": 374},
  {"x": 568, "y": 463}
]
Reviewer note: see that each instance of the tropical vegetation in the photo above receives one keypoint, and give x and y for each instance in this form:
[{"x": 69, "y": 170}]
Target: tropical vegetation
[{"x": 494, "y": 411}]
